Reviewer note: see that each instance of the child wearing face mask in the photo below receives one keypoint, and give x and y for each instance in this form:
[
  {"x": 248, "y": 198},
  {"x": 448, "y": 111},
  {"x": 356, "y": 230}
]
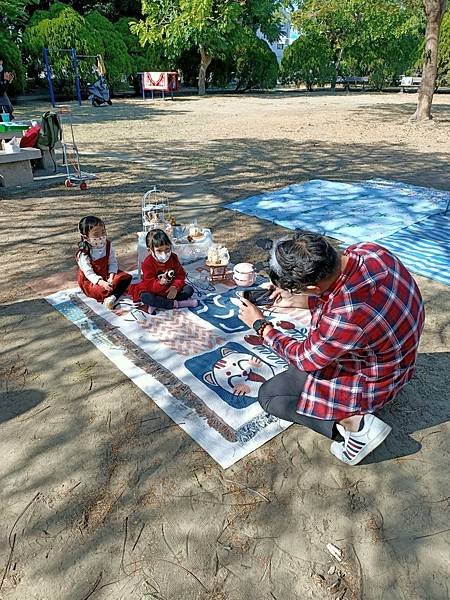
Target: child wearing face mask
[
  {"x": 163, "y": 283},
  {"x": 98, "y": 271}
]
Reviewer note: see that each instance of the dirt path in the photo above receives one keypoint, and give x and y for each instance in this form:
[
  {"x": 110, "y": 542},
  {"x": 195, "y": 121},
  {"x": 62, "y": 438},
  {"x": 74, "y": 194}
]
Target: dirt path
[{"x": 100, "y": 497}]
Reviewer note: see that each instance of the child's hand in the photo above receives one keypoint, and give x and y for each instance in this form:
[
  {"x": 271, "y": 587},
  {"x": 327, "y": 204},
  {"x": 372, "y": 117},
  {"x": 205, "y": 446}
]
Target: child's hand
[
  {"x": 105, "y": 285},
  {"x": 172, "y": 293}
]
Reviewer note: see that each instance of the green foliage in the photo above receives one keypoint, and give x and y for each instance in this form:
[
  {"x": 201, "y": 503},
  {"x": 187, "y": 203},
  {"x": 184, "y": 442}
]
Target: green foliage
[
  {"x": 13, "y": 12},
  {"x": 256, "y": 65},
  {"x": 12, "y": 61},
  {"x": 213, "y": 27},
  {"x": 148, "y": 58},
  {"x": 111, "y": 46},
  {"x": 61, "y": 27},
  {"x": 111, "y": 9},
  {"x": 443, "y": 77},
  {"x": 308, "y": 60},
  {"x": 378, "y": 39},
  {"x": 58, "y": 28}
]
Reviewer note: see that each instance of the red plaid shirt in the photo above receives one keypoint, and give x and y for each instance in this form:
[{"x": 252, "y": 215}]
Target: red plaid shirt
[{"x": 363, "y": 340}]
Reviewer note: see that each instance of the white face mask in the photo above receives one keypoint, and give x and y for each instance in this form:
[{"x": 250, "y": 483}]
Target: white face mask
[
  {"x": 162, "y": 257},
  {"x": 97, "y": 242}
]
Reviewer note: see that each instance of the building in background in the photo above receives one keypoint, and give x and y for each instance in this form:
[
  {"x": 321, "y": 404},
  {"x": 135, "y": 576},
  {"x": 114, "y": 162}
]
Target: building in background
[{"x": 288, "y": 35}]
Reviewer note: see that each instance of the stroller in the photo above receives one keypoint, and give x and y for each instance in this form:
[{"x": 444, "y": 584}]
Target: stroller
[{"x": 99, "y": 92}]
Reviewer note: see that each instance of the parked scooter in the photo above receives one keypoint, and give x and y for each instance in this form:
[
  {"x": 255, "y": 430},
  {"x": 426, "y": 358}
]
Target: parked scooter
[{"x": 99, "y": 92}]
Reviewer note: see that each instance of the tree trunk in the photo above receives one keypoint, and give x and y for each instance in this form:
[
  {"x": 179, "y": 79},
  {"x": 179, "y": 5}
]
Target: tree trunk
[
  {"x": 204, "y": 64},
  {"x": 434, "y": 11},
  {"x": 337, "y": 64}
]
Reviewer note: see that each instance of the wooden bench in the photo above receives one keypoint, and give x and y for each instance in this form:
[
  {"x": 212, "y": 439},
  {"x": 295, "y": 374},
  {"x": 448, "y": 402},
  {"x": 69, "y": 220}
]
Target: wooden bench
[
  {"x": 15, "y": 168},
  {"x": 352, "y": 80},
  {"x": 410, "y": 83}
]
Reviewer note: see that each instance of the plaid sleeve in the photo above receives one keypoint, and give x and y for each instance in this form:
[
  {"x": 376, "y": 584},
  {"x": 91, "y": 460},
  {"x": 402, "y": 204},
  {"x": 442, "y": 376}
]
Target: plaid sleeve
[{"x": 331, "y": 339}]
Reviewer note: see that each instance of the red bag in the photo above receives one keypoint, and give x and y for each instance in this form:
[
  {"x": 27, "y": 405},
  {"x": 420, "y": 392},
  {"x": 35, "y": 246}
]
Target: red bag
[{"x": 30, "y": 137}]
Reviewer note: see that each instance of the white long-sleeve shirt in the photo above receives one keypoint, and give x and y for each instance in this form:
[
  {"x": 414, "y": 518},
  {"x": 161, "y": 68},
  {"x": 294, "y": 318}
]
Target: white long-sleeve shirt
[{"x": 85, "y": 264}]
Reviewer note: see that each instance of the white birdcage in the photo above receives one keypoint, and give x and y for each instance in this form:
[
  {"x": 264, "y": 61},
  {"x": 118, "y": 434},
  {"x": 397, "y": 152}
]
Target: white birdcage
[{"x": 155, "y": 211}]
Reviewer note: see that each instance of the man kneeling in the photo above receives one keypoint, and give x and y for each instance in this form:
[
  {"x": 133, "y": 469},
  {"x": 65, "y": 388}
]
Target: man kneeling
[{"x": 367, "y": 316}]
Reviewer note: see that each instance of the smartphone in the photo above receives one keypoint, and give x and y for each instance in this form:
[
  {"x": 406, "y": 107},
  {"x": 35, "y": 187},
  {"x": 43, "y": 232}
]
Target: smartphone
[{"x": 257, "y": 296}]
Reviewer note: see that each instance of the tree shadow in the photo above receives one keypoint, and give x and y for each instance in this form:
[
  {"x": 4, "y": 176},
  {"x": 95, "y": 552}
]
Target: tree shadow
[
  {"x": 17, "y": 402},
  {"x": 104, "y": 471}
]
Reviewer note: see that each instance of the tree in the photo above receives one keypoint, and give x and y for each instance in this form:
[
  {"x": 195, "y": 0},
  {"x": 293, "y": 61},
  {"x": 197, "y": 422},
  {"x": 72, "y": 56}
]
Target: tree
[
  {"x": 12, "y": 62},
  {"x": 13, "y": 14},
  {"x": 434, "y": 12},
  {"x": 212, "y": 27},
  {"x": 62, "y": 27},
  {"x": 443, "y": 69},
  {"x": 112, "y": 48},
  {"x": 111, "y": 9},
  {"x": 308, "y": 60},
  {"x": 148, "y": 58},
  {"x": 256, "y": 65},
  {"x": 378, "y": 39},
  {"x": 58, "y": 28}
]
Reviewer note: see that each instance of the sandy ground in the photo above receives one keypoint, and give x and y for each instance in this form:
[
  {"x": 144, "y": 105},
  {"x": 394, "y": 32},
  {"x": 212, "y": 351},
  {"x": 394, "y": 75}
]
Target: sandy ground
[{"x": 100, "y": 497}]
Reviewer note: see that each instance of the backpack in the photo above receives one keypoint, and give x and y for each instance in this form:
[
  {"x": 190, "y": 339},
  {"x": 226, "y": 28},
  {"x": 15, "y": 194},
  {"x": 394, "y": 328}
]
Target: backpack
[{"x": 51, "y": 131}]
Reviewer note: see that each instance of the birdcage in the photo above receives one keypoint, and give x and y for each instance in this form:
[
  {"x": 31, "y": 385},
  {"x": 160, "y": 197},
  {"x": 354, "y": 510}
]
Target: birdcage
[{"x": 156, "y": 211}]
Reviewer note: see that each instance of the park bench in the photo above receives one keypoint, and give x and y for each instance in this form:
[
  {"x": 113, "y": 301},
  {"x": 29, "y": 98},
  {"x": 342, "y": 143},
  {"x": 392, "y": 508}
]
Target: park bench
[
  {"x": 352, "y": 80},
  {"x": 8, "y": 135},
  {"x": 15, "y": 168},
  {"x": 410, "y": 83}
]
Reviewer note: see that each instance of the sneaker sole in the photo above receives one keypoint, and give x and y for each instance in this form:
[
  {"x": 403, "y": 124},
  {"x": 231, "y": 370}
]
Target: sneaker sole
[{"x": 369, "y": 447}]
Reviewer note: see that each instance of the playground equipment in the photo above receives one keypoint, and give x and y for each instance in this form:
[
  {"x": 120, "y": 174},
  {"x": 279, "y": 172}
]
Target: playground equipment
[
  {"x": 162, "y": 81},
  {"x": 100, "y": 68}
]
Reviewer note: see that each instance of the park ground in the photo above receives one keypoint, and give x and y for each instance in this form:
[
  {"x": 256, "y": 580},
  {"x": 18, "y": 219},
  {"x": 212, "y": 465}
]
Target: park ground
[{"x": 100, "y": 496}]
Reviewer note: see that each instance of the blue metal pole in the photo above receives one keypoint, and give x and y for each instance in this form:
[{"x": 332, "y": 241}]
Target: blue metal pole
[
  {"x": 48, "y": 72},
  {"x": 77, "y": 78}
]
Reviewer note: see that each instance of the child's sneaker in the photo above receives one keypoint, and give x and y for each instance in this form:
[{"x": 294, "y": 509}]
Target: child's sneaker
[
  {"x": 109, "y": 302},
  {"x": 358, "y": 444}
]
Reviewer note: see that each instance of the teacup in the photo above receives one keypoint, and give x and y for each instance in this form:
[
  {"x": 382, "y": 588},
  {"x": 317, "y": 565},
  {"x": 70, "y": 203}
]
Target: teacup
[{"x": 244, "y": 274}]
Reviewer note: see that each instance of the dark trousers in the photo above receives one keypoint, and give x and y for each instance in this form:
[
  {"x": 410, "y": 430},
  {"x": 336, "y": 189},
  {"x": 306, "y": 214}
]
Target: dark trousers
[
  {"x": 279, "y": 397},
  {"x": 163, "y": 302}
]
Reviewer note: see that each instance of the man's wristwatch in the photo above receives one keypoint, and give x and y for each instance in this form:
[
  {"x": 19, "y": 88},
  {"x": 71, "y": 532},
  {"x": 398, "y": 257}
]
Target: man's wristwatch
[{"x": 259, "y": 325}]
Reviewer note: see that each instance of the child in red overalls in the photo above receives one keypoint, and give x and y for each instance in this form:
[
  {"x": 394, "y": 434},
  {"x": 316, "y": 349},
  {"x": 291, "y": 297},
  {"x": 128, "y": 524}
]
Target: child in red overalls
[{"x": 98, "y": 271}]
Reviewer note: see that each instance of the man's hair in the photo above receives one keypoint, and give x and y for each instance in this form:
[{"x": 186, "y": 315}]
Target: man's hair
[{"x": 305, "y": 259}]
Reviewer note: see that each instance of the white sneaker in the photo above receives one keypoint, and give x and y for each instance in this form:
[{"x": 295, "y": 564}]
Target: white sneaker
[
  {"x": 109, "y": 302},
  {"x": 358, "y": 444}
]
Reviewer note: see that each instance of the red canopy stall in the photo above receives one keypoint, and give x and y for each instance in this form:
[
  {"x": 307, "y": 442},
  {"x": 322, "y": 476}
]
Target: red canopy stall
[{"x": 162, "y": 81}]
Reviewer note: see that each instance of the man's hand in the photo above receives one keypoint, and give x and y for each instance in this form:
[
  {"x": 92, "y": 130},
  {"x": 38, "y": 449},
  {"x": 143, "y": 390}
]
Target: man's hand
[
  {"x": 105, "y": 285},
  {"x": 249, "y": 313},
  {"x": 111, "y": 277},
  {"x": 284, "y": 299},
  {"x": 172, "y": 293}
]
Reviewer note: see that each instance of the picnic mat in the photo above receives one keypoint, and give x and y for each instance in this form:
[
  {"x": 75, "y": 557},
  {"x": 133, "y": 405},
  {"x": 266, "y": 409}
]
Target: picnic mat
[
  {"x": 424, "y": 247},
  {"x": 352, "y": 212},
  {"x": 202, "y": 366}
]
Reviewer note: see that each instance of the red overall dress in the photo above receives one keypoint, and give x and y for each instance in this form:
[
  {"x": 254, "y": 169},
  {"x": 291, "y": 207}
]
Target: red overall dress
[{"x": 100, "y": 266}]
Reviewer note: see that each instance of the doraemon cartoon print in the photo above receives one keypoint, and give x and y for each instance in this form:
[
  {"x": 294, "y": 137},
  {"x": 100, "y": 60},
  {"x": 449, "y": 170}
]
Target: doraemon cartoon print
[{"x": 233, "y": 373}]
